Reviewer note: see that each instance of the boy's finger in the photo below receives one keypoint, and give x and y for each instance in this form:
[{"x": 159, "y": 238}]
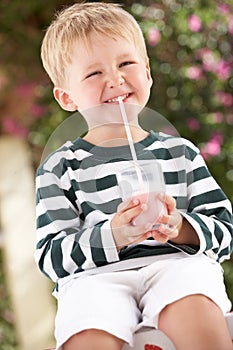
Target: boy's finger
[
  {"x": 167, "y": 229},
  {"x": 129, "y": 214},
  {"x": 173, "y": 220},
  {"x": 160, "y": 237},
  {"x": 168, "y": 200},
  {"x": 141, "y": 237},
  {"x": 136, "y": 234},
  {"x": 125, "y": 205}
]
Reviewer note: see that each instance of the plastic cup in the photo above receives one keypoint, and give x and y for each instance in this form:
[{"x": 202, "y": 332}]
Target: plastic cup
[{"x": 144, "y": 181}]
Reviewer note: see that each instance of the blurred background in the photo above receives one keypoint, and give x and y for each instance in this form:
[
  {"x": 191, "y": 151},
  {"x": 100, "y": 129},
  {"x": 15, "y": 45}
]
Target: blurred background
[{"x": 190, "y": 45}]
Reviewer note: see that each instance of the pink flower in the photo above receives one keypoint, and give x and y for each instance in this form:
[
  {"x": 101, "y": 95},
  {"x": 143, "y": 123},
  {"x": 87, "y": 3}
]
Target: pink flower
[
  {"x": 10, "y": 126},
  {"x": 201, "y": 53},
  {"x": 194, "y": 72},
  {"x": 153, "y": 36},
  {"x": 223, "y": 70},
  {"x": 230, "y": 25},
  {"x": 213, "y": 146},
  {"x": 226, "y": 99},
  {"x": 38, "y": 111},
  {"x": 193, "y": 124},
  {"x": 194, "y": 23},
  {"x": 25, "y": 90},
  {"x": 224, "y": 8},
  {"x": 211, "y": 63},
  {"x": 208, "y": 58},
  {"x": 217, "y": 117}
]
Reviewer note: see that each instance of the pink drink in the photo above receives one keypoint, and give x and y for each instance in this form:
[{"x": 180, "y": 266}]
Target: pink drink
[
  {"x": 154, "y": 211},
  {"x": 144, "y": 181}
]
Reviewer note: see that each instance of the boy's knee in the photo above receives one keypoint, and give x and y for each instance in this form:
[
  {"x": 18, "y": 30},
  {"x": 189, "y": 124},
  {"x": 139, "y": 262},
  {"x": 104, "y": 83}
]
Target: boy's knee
[{"x": 90, "y": 339}]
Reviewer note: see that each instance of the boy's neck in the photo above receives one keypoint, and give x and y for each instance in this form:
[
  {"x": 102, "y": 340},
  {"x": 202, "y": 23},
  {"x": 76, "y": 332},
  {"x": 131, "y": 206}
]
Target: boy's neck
[{"x": 114, "y": 135}]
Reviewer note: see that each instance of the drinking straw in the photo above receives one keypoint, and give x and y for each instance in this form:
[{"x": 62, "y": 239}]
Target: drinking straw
[{"x": 131, "y": 144}]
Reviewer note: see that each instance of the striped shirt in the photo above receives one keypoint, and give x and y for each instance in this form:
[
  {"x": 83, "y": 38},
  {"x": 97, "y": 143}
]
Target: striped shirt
[{"x": 78, "y": 194}]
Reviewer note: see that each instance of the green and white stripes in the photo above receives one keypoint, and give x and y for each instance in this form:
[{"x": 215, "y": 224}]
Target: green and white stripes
[{"x": 78, "y": 194}]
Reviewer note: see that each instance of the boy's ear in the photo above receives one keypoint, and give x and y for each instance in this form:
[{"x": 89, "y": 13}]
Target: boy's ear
[
  {"x": 64, "y": 99},
  {"x": 149, "y": 77}
]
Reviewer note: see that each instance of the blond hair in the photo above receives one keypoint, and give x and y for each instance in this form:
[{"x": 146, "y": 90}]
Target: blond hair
[{"x": 76, "y": 23}]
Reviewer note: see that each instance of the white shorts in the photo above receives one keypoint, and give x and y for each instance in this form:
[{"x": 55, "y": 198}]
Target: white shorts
[{"x": 122, "y": 302}]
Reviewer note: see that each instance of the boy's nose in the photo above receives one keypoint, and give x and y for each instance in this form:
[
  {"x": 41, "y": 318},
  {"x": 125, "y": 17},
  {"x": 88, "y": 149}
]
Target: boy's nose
[{"x": 115, "y": 79}]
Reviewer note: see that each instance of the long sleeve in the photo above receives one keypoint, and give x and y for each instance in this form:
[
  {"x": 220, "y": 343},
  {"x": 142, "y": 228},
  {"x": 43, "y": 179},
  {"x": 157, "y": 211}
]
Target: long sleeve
[
  {"x": 66, "y": 244},
  {"x": 209, "y": 211}
]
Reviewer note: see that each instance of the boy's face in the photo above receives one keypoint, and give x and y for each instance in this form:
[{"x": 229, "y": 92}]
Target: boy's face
[{"x": 109, "y": 68}]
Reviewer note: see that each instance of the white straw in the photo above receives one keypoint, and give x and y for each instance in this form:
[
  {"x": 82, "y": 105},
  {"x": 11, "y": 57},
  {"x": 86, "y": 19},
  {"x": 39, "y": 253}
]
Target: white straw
[{"x": 131, "y": 144}]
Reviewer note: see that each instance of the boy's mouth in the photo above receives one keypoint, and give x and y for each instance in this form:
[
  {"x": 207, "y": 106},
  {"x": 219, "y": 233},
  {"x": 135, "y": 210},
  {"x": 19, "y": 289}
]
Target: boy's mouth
[{"x": 115, "y": 99}]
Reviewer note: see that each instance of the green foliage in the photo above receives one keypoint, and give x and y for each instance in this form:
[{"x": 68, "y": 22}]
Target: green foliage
[
  {"x": 22, "y": 28},
  {"x": 193, "y": 77},
  {"x": 228, "y": 274}
]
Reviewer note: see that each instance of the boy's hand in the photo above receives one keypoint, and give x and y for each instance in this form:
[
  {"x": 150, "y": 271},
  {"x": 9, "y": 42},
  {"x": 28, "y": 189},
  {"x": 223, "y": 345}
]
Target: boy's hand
[
  {"x": 170, "y": 224},
  {"x": 123, "y": 231}
]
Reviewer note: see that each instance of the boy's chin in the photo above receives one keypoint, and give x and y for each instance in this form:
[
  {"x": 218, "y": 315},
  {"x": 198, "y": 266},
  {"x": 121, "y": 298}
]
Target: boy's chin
[{"x": 111, "y": 114}]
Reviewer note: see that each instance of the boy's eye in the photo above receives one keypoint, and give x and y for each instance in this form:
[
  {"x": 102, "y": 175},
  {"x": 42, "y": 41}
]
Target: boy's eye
[
  {"x": 92, "y": 74},
  {"x": 126, "y": 63}
]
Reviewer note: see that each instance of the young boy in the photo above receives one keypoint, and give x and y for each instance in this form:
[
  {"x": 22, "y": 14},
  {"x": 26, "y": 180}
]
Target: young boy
[{"x": 112, "y": 276}]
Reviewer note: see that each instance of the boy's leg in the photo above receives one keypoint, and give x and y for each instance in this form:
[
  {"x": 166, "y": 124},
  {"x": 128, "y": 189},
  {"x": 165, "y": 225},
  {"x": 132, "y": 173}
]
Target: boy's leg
[
  {"x": 97, "y": 311},
  {"x": 93, "y": 339},
  {"x": 195, "y": 322}
]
